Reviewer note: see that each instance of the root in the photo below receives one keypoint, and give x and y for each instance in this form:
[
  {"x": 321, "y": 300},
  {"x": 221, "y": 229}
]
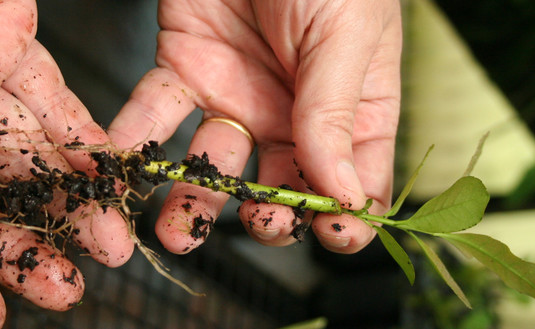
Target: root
[{"x": 24, "y": 203}]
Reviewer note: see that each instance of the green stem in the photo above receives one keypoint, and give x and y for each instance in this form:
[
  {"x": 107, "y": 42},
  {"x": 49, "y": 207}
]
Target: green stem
[
  {"x": 258, "y": 192},
  {"x": 268, "y": 194},
  {"x": 372, "y": 218}
]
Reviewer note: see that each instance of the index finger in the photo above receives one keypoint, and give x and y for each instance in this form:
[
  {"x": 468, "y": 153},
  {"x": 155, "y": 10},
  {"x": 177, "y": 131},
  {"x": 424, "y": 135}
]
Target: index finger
[{"x": 18, "y": 25}]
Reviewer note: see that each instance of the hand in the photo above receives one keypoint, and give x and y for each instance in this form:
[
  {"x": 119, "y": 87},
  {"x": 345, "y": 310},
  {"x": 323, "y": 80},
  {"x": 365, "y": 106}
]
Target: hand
[
  {"x": 38, "y": 113},
  {"x": 317, "y": 84}
]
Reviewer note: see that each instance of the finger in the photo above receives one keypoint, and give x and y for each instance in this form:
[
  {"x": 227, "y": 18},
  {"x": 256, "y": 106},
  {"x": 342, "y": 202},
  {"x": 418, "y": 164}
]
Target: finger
[
  {"x": 104, "y": 236},
  {"x": 18, "y": 25},
  {"x": 33, "y": 269},
  {"x": 156, "y": 107},
  {"x": 336, "y": 112},
  {"x": 190, "y": 211},
  {"x": 272, "y": 224},
  {"x": 229, "y": 82},
  {"x": 39, "y": 84},
  {"x": 2, "y": 311}
]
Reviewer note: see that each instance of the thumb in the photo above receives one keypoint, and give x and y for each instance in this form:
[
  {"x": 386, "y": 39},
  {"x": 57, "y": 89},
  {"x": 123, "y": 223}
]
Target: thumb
[
  {"x": 345, "y": 82},
  {"x": 327, "y": 93}
]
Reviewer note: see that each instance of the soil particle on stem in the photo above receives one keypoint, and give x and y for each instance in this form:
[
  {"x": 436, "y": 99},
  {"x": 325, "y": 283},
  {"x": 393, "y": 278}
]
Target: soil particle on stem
[
  {"x": 286, "y": 187},
  {"x": 153, "y": 152},
  {"x": 200, "y": 168},
  {"x": 299, "y": 211}
]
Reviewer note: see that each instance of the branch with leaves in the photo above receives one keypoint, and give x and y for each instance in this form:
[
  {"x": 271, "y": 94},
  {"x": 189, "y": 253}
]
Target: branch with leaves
[{"x": 458, "y": 208}]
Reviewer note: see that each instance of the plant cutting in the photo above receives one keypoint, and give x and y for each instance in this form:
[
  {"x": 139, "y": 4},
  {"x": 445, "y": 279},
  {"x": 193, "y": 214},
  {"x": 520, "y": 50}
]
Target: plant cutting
[{"x": 458, "y": 208}]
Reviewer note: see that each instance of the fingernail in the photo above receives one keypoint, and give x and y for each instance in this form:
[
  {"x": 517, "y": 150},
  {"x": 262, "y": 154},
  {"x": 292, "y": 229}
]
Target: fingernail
[
  {"x": 347, "y": 175},
  {"x": 268, "y": 234},
  {"x": 334, "y": 241}
]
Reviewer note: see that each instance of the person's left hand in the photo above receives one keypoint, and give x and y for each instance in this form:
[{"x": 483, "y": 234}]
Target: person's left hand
[{"x": 38, "y": 116}]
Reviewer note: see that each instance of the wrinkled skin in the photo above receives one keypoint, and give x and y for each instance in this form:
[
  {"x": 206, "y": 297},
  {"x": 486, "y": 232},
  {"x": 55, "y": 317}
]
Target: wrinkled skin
[
  {"x": 317, "y": 84},
  {"x": 35, "y": 99}
]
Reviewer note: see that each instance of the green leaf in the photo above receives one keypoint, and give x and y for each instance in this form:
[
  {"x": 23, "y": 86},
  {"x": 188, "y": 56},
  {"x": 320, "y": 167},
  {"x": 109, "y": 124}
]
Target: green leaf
[
  {"x": 442, "y": 270},
  {"x": 458, "y": 208},
  {"x": 397, "y": 252},
  {"x": 476, "y": 156},
  {"x": 318, "y": 323},
  {"x": 408, "y": 187},
  {"x": 515, "y": 272}
]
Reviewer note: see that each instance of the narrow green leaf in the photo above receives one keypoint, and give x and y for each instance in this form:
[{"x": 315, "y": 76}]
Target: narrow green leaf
[
  {"x": 408, "y": 187},
  {"x": 397, "y": 252},
  {"x": 318, "y": 323},
  {"x": 458, "y": 208},
  {"x": 515, "y": 272},
  {"x": 476, "y": 156},
  {"x": 442, "y": 270}
]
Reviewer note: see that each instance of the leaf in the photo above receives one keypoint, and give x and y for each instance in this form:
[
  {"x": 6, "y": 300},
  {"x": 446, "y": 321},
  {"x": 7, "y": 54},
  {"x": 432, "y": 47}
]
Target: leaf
[
  {"x": 442, "y": 270},
  {"x": 476, "y": 156},
  {"x": 408, "y": 187},
  {"x": 318, "y": 323},
  {"x": 514, "y": 272},
  {"x": 397, "y": 252},
  {"x": 458, "y": 208}
]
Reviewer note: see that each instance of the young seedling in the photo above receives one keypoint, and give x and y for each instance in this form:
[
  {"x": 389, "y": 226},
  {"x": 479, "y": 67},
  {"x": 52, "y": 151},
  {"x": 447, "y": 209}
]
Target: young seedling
[{"x": 458, "y": 208}]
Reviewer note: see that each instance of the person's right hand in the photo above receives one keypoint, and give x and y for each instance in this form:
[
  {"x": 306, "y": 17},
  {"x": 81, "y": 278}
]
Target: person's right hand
[
  {"x": 316, "y": 83},
  {"x": 38, "y": 114}
]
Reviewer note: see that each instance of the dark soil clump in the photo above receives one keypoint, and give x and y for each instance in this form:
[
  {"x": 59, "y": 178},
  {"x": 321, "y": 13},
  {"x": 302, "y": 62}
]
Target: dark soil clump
[
  {"x": 27, "y": 259},
  {"x": 299, "y": 232},
  {"x": 337, "y": 227},
  {"x": 201, "y": 227}
]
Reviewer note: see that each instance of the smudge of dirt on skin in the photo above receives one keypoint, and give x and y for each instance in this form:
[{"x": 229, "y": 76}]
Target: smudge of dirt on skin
[
  {"x": 266, "y": 220},
  {"x": 70, "y": 279},
  {"x": 337, "y": 227},
  {"x": 27, "y": 259},
  {"x": 201, "y": 227},
  {"x": 21, "y": 278}
]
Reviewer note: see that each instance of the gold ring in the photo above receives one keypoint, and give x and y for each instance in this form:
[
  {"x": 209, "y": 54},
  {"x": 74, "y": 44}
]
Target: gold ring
[{"x": 235, "y": 124}]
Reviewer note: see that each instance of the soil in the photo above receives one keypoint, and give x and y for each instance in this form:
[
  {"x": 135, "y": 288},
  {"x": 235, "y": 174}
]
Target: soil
[
  {"x": 27, "y": 259},
  {"x": 337, "y": 227},
  {"x": 25, "y": 201},
  {"x": 201, "y": 227},
  {"x": 299, "y": 231},
  {"x": 70, "y": 279}
]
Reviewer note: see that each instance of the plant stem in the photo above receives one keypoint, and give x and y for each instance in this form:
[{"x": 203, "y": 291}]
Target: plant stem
[{"x": 263, "y": 193}]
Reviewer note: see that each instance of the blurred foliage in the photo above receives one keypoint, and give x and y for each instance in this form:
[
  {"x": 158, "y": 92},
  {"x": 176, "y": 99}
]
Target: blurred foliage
[
  {"x": 523, "y": 197},
  {"x": 431, "y": 305},
  {"x": 501, "y": 34}
]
